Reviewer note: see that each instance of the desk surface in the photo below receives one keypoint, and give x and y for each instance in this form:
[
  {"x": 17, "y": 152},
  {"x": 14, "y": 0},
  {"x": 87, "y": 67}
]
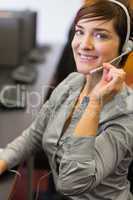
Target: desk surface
[{"x": 13, "y": 122}]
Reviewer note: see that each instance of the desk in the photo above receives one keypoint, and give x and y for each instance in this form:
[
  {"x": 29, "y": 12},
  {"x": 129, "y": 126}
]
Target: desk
[{"x": 22, "y": 118}]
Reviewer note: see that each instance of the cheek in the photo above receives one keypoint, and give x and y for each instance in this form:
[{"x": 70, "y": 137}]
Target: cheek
[
  {"x": 108, "y": 51},
  {"x": 74, "y": 44}
]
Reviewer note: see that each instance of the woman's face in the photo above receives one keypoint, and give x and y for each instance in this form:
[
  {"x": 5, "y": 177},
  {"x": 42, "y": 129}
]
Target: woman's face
[{"x": 94, "y": 42}]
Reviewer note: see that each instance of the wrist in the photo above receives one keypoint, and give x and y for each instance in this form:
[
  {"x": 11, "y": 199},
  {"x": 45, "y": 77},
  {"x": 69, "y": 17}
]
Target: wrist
[{"x": 95, "y": 103}]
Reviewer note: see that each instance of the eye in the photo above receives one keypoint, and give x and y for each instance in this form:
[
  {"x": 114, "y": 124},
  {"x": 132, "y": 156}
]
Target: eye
[
  {"x": 79, "y": 32},
  {"x": 100, "y": 36}
]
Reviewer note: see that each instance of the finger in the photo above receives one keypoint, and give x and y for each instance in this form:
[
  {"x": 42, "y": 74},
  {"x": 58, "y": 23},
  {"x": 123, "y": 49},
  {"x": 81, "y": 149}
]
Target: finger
[
  {"x": 108, "y": 66},
  {"x": 106, "y": 73},
  {"x": 114, "y": 72}
]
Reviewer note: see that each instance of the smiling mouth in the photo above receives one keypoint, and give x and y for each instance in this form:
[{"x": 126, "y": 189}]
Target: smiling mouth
[{"x": 87, "y": 57}]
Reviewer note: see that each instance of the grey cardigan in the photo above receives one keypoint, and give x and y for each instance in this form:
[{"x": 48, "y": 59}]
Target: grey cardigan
[{"x": 88, "y": 168}]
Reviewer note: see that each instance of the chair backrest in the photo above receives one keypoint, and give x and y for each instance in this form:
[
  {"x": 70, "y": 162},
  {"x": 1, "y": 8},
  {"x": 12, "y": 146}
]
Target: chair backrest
[{"x": 128, "y": 67}]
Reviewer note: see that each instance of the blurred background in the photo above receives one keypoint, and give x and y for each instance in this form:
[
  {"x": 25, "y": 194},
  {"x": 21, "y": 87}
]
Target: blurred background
[
  {"x": 54, "y": 17},
  {"x": 28, "y": 28}
]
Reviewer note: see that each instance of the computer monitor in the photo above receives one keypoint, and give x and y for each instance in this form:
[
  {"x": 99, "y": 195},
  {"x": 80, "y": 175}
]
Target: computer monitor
[
  {"x": 9, "y": 39},
  {"x": 17, "y": 35},
  {"x": 28, "y": 30}
]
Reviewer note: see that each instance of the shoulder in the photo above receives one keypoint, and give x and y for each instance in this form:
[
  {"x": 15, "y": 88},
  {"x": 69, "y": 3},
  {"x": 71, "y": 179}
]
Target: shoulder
[
  {"x": 119, "y": 106},
  {"x": 71, "y": 79},
  {"x": 71, "y": 83}
]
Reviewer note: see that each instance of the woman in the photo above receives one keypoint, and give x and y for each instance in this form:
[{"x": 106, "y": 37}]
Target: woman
[{"x": 86, "y": 127}]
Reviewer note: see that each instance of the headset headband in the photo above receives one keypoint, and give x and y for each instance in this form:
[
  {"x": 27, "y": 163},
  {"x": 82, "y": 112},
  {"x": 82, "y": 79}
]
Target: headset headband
[{"x": 128, "y": 19}]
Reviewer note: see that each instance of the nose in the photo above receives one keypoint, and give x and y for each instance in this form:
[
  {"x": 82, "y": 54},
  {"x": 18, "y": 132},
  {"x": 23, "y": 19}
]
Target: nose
[{"x": 87, "y": 43}]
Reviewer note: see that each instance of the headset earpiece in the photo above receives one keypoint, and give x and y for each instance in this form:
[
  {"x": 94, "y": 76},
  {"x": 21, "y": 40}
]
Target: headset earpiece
[{"x": 128, "y": 46}]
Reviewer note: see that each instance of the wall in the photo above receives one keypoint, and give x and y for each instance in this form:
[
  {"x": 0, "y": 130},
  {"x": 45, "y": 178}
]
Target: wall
[{"x": 54, "y": 16}]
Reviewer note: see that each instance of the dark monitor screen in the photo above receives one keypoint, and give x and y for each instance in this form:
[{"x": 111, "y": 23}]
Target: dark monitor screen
[
  {"x": 28, "y": 29},
  {"x": 17, "y": 35},
  {"x": 9, "y": 40}
]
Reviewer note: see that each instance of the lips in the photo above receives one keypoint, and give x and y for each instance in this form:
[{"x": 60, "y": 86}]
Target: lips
[{"x": 87, "y": 57}]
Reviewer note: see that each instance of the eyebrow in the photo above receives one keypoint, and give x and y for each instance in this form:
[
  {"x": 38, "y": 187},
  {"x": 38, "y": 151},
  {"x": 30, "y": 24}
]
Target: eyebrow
[{"x": 95, "y": 29}]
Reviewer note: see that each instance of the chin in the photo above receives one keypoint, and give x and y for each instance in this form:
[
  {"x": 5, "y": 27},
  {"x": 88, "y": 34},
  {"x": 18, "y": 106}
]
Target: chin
[{"x": 83, "y": 71}]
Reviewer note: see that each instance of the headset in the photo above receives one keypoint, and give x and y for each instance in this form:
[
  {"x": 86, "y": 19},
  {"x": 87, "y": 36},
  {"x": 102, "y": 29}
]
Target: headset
[{"x": 128, "y": 44}]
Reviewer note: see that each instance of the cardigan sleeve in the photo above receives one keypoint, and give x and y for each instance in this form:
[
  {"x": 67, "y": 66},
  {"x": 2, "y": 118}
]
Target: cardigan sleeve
[
  {"x": 88, "y": 160},
  {"x": 29, "y": 141}
]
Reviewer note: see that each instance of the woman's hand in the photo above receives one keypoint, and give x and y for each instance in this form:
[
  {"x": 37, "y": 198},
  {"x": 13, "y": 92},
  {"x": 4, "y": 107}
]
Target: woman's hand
[
  {"x": 3, "y": 166},
  {"x": 110, "y": 84}
]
